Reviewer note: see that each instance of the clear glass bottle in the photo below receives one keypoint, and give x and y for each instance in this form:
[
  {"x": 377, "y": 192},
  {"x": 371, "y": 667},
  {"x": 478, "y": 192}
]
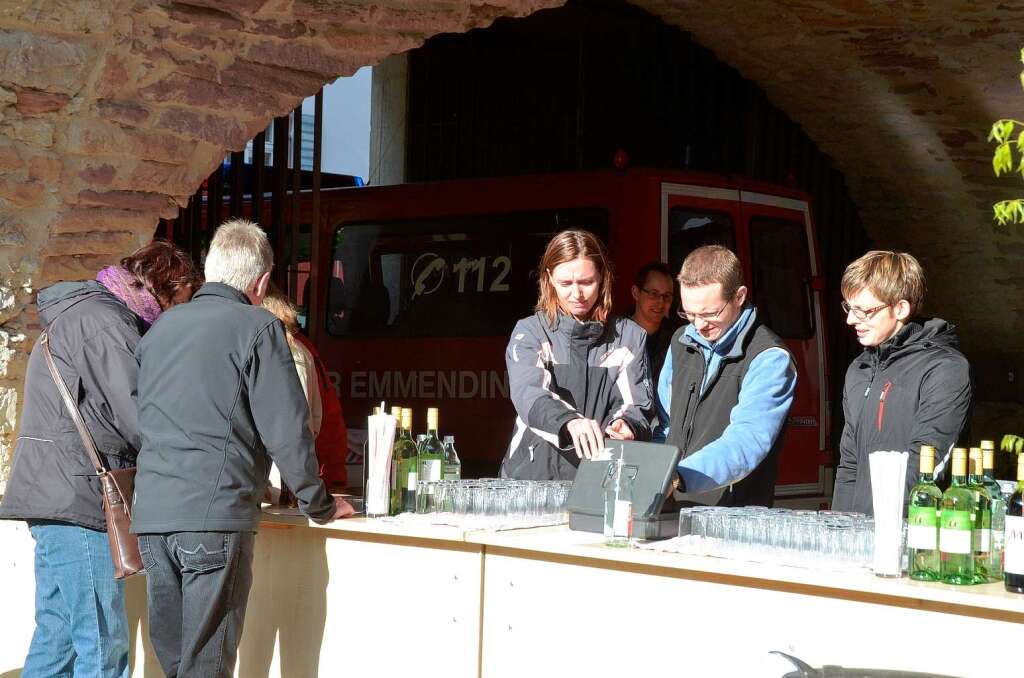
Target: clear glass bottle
[
  {"x": 404, "y": 461},
  {"x": 430, "y": 452},
  {"x": 1013, "y": 542},
  {"x": 618, "y": 504},
  {"x": 995, "y": 560},
  {"x": 452, "y": 463},
  {"x": 982, "y": 543},
  {"x": 956, "y": 526},
  {"x": 923, "y": 521}
]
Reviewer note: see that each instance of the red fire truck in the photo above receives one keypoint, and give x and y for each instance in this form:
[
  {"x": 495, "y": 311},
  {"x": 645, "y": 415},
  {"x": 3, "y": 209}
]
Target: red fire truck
[{"x": 419, "y": 286}]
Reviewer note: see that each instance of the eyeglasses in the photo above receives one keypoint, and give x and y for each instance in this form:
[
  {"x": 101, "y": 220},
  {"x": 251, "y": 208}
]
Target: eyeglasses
[
  {"x": 706, "y": 317},
  {"x": 658, "y": 296},
  {"x": 862, "y": 313}
]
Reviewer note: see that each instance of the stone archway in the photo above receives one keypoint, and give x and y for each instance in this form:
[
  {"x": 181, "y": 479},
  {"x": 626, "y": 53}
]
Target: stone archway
[{"x": 114, "y": 111}]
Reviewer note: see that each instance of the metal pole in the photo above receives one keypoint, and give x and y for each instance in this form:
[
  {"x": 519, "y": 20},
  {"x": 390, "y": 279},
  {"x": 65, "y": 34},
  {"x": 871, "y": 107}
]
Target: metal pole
[
  {"x": 315, "y": 319},
  {"x": 278, "y": 215},
  {"x": 237, "y": 177},
  {"x": 259, "y": 159},
  {"x": 293, "y": 235}
]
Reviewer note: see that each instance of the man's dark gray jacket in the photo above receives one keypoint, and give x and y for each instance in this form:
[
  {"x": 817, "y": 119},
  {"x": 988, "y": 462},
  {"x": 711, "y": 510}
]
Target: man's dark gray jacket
[
  {"x": 912, "y": 390},
  {"x": 219, "y": 399}
]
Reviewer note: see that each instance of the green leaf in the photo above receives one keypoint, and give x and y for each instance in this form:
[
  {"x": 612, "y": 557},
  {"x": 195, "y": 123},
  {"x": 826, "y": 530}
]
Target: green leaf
[
  {"x": 993, "y": 134},
  {"x": 1002, "y": 159},
  {"x": 1020, "y": 141}
]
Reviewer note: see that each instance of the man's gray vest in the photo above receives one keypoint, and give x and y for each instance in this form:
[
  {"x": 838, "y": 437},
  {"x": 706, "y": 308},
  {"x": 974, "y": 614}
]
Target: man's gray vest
[{"x": 697, "y": 420}]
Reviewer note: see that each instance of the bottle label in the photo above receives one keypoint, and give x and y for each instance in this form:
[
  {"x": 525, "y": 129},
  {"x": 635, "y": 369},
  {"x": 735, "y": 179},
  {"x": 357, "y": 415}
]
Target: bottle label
[
  {"x": 410, "y": 481},
  {"x": 623, "y": 515},
  {"x": 452, "y": 472},
  {"x": 923, "y": 528},
  {"x": 430, "y": 470},
  {"x": 956, "y": 532},
  {"x": 1013, "y": 545},
  {"x": 982, "y": 538}
]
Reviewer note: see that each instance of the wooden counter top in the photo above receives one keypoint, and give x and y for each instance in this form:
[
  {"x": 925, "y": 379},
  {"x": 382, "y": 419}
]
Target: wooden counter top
[{"x": 583, "y": 548}]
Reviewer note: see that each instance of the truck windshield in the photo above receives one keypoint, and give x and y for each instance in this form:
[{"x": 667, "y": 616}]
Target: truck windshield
[{"x": 443, "y": 277}]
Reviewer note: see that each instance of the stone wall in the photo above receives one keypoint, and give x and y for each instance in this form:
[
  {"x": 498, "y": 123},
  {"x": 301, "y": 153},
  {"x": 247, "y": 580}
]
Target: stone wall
[{"x": 113, "y": 111}]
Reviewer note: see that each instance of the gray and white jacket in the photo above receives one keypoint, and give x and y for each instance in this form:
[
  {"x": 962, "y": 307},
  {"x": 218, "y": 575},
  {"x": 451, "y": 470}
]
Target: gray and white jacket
[{"x": 572, "y": 370}]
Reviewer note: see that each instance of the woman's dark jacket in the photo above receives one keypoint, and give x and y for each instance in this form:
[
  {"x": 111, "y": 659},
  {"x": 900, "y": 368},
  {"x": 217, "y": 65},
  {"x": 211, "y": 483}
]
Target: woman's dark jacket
[
  {"x": 92, "y": 338},
  {"x": 572, "y": 370}
]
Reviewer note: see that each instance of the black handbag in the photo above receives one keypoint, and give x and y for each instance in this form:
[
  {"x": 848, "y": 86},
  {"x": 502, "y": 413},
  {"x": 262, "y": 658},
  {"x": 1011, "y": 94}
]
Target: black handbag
[{"x": 117, "y": 485}]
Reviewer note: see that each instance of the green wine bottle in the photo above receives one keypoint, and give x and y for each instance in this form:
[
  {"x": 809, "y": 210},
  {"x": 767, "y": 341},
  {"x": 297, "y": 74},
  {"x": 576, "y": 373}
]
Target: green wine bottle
[
  {"x": 395, "y": 490},
  {"x": 430, "y": 457},
  {"x": 995, "y": 561},
  {"x": 982, "y": 542},
  {"x": 923, "y": 521},
  {"x": 404, "y": 500},
  {"x": 956, "y": 526}
]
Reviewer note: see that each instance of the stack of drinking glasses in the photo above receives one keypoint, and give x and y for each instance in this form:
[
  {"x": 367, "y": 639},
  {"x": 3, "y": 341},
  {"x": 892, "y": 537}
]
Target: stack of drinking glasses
[
  {"x": 828, "y": 540},
  {"x": 493, "y": 502}
]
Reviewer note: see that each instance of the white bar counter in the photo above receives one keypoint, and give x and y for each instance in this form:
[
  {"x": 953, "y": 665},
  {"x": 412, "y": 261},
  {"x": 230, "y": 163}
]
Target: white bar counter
[{"x": 370, "y": 598}]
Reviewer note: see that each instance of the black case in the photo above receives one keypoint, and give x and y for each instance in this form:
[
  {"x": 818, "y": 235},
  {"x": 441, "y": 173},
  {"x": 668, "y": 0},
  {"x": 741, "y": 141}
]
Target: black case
[{"x": 654, "y": 466}]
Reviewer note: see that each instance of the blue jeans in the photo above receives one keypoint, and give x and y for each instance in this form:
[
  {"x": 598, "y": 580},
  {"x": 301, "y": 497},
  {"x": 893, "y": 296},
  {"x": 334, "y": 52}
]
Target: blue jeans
[{"x": 81, "y": 625}]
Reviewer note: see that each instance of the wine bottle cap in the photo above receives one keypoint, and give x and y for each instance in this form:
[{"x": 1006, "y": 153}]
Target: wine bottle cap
[
  {"x": 959, "y": 461},
  {"x": 396, "y": 412},
  {"x": 987, "y": 444},
  {"x": 431, "y": 418},
  {"x": 1020, "y": 467},
  {"x": 976, "y": 466},
  {"x": 407, "y": 418},
  {"x": 987, "y": 457},
  {"x": 927, "y": 459}
]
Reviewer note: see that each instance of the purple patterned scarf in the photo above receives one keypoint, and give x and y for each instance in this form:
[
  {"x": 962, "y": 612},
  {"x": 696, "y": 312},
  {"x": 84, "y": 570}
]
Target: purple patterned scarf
[{"x": 125, "y": 287}]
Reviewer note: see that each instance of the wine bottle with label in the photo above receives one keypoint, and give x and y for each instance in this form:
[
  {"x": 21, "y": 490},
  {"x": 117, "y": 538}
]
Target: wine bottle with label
[
  {"x": 995, "y": 560},
  {"x": 956, "y": 526},
  {"x": 1013, "y": 541},
  {"x": 982, "y": 543},
  {"x": 394, "y": 490},
  {"x": 452, "y": 463},
  {"x": 430, "y": 452},
  {"x": 923, "y": 521},
  {"x": 404, "y": 501}
]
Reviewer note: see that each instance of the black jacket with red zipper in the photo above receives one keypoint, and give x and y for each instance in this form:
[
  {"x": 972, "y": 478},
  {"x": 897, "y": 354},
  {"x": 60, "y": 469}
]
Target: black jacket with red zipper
[{"x": 912, "y": 390}]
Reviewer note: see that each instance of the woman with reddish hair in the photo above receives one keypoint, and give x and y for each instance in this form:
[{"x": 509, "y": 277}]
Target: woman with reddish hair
[
  {"x": 576, "y": 372},
  {"x": 93, "y": 328}
]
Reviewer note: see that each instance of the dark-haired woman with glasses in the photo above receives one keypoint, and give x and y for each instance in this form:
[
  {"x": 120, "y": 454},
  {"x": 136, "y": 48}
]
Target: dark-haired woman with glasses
[{"x": 577, "y": 373}]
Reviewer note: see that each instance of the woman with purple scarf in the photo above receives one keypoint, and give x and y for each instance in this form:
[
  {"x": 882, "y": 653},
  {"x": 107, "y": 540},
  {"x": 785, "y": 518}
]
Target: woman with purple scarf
[{"x": 93, "y": 328}]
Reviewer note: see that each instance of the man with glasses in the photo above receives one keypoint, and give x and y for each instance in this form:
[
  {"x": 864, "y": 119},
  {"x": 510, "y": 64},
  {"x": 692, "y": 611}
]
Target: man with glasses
[
  {"x": 652, "y": 295},
  {"x": 725, "y": 388},
  {"x": 910, "y": 387}
]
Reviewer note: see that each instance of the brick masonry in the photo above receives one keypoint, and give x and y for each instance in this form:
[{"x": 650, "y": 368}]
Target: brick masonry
[{"x": 113, "y": 111}]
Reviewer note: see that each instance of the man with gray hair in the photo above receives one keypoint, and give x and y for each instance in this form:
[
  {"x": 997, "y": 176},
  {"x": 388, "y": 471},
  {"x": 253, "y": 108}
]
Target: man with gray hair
[{"x": 219, "y": 399}]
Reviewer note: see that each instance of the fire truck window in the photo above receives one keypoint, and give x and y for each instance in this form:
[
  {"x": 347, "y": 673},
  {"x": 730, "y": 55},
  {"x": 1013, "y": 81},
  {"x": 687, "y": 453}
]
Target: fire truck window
[
  {"x": 782, "y": 276},
  {"x": 690, "y": 228},
  {"x": 463, "y": 276}
]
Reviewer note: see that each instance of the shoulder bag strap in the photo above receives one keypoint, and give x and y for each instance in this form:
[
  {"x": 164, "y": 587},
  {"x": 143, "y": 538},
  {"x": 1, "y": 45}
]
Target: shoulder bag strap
[{"x": 72, "y": 407}]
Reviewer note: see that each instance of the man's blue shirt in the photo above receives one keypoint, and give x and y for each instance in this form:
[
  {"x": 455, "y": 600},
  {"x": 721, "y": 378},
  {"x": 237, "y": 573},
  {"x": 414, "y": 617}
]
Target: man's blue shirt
[{"x": 754, "y": 422}]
